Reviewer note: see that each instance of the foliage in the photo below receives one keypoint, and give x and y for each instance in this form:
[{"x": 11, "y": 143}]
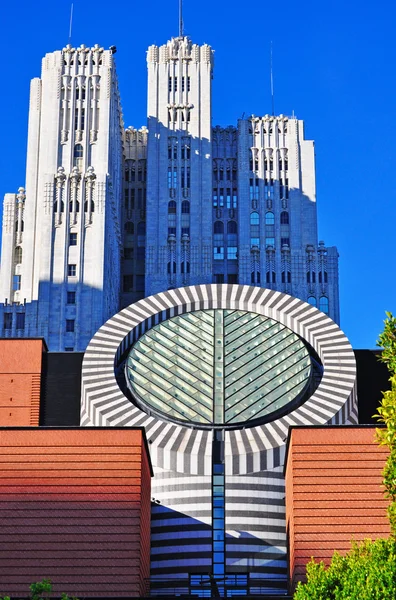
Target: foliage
[
  {"x": 367, "y": 572},
  {"x": 41, "y": 591},
  {"x": 387, "y": 414}
]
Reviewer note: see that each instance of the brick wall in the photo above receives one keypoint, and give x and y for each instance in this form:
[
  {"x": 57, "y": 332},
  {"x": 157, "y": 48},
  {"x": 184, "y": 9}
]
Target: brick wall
[
  {"x": 333, "y": 492},
  {"x": 74, "y": 508},
  {"x": 20, "y": 381}
]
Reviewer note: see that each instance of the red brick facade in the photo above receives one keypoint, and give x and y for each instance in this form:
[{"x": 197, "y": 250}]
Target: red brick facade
[
  {"x": 334, "y": 492},
  {"x": 20, "y": 380},
  {"x": 74, "y": 508}
]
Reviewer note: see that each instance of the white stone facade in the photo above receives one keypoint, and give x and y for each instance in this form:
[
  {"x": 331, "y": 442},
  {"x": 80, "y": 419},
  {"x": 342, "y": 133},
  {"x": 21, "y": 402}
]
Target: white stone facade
[
  {"x": 179, "y": 228},
  {"x": 70, "y": 240}
]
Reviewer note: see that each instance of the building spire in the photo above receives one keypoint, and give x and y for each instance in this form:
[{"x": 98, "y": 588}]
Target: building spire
[
  {"x": 181, "y": 33},
  {"x": 71, "y": 23},
  {"x": 272, "y": 85}
]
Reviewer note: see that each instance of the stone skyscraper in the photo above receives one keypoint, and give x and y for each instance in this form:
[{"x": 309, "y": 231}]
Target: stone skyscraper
[
  {"x": 60, "y": 275},
  {"x": 111, "y": 216}
]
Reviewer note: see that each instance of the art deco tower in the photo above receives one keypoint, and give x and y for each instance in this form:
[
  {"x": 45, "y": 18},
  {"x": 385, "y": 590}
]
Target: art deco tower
[
  {"x": 179, "y": 165},
  {"x": 60, "y": 275}
]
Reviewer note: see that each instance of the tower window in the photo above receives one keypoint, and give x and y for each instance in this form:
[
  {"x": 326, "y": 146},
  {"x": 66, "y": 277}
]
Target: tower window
[
  {"x": 271, "y": 277},
  {"x": 254, "y": 218},
  {"x": 129, "y": 227},
  {"x": 284, "y": 218},
  {"x": 73, "y": 239},
  {"x": 18, "y": 255},
  {"x": 69, "y": 325},
  {"x": 71, "y": 270},
  {"x": 7, "y": 320},
  {"x": 323, "y": 277},
  {"x": 172, "y": 207},
  {"x": 20, "y": 320},
  {"x": 324, "y": 304},
  {"x": 185, "y": 207},
  {"x": 312, "y": 300},
  {"x": 218, "y": 227},
  {"x": 269, "y": 218},
  {"x": 71, "y": 297},
  {"x": 16, "y": 283},
  {"x": 218, "y": 253},
  {"x": 232, "y": 227},
  {"x": 78, "y": 156}
]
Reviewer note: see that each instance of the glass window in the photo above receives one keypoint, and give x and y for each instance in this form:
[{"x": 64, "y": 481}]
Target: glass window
[
  {"x": 16, "y": 283},
  {"x": 172, "y": 207},
  {"x": 285, "y": 241},
  {"x": 69, "y": 349},
  {"x": 218, "y": 546},
  {"x": 73, "y": 239},
  {"x": 171, "y": 268},
  {"x": 20, "y": 320},
  {"x": 232, "y": 252},
  {"x": 218, "y": 253},
  {"x": 185, "y": 207},
  {"x": 232, "y": 277},
  {"x": 323, "y": 277},
  {"x": 129, "y": 227},
  {"x": 7, "y": 320},
  {"x": 70, "y": 325},
  {"x": 312, "y": 300},
  {"x": 324, "y": 304},
  {"x": 78, "y": 151},
  {"x": 254, "y": 218},
  {"x": 219, "y": 278},
  {"x": 271, "y": 277},
  {"x": 218, "y": 227},
  {"x": 71, "y": 297},
  {"x": 71, "y": 270},
  {"x": 128, "y": 253},
  {"x": 284, "y": 218},
  {"x": 18, "y": 255},
  {"x": 269, "y": 218},
  {"x": 232, "y": 227}
]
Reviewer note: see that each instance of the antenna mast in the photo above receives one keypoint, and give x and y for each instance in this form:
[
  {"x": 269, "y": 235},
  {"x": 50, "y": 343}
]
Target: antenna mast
[
  {"x": 71, "y": 23},
  {"x": 180, "y": 18},
  {"x": 272, "y": 86}
]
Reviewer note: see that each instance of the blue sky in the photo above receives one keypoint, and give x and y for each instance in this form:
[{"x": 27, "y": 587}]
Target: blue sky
[{"x": 334, "y": 65}]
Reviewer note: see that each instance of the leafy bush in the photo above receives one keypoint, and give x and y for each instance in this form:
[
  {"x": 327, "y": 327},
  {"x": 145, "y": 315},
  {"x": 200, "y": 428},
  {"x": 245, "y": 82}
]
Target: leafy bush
[{"x": 367, "y": 572}]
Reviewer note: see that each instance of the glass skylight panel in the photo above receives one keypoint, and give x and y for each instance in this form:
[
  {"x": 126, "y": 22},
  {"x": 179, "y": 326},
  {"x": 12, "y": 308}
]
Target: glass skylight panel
[{"x": 218, "y": 367}]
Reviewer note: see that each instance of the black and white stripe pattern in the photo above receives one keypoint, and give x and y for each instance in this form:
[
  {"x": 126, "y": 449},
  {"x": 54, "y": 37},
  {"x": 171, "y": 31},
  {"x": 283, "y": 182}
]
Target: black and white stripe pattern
[{"x": 188, "y": 450}]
